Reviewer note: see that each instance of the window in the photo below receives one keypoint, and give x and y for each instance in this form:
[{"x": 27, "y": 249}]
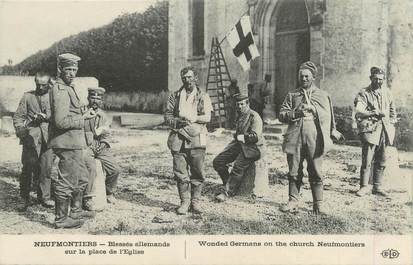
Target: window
[{"x": 198, "y": 28}]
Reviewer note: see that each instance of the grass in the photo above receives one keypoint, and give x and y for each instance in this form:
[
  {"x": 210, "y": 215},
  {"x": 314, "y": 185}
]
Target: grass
[{"x": 147, "y": 197}]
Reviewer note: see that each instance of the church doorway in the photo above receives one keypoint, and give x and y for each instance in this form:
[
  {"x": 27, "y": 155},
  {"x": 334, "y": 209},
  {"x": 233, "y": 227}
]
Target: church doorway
[{"x": 291, "y": 46}]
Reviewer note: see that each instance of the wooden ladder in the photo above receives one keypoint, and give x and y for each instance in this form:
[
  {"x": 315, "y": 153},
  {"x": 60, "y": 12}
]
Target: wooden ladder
[{"x": 218, "y": 81}]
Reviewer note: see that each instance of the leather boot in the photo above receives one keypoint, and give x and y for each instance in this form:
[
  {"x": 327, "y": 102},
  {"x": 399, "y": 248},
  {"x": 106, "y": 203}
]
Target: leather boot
[
  {"x": 196, "y": 192},
  {"x": 62, "y": 220},
  {"x": 185, "y": 196},
  {"x": 76, "y": 211},
  {"x": 364, "y": 181},
  {"x": 362, "y": 191},
  {"x": 377, "y": 179},
  {"x": 224, "y": 175},
  {"x": 317, "y": 192},
  {"x": 293, "y": 196},
  {"x": 24, "y": 204}
]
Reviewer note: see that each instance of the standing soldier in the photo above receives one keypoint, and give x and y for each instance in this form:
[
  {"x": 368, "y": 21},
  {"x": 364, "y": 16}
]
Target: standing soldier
[
  {"x": 309, "y": 114},
  {"x": 230, "y": 103},
  {"x": 245, "y": 149},
  {"x": 67, "y": 139},
  {"x": 375, "y": 115},
  {"x": 31, "y": 122},
  {"x": 97, "y": 139},
  {"x": 188, "y": 110}
]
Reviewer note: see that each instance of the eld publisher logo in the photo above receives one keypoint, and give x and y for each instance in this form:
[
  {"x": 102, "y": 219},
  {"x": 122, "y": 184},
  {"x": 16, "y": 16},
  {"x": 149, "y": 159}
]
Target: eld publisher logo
[{"x": 390, "y": 253}]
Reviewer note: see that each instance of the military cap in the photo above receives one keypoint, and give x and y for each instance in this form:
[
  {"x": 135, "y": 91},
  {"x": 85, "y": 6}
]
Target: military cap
[
  {"x": 240, "y": 97},
  {"x": 68, "y": 59},
  {"x": 309, "y": 66},
  {"x": 96, "y": 91},
  {"x": 376, "y": 71}
]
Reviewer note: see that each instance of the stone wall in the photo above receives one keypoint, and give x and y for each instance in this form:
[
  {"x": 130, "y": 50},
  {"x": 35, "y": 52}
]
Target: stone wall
[
  {"x": 347, "y": 38},
  {"x": 361, "y": 34},
  {"x": 220, "y": 17},
  {"x": 12, "y": 89}
]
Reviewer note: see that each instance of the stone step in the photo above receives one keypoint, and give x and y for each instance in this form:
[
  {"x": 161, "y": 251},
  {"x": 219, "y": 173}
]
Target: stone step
[{"x": 279, "y": 128}]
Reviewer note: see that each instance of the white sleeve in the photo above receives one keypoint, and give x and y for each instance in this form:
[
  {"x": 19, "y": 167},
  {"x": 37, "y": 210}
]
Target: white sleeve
[{"x": 207, "y": 104}]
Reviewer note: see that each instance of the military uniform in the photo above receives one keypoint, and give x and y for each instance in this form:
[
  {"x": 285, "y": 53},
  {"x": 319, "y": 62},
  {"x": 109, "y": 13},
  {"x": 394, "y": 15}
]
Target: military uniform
[
  {"x": 248, "y": 124},
  {"x": 33, "y": 134},
  {"x": 376, "y": 133},
  {"x": 187, "y": 142},
  {"x": 257, "y": 93},
  {"x": 230, "y": 108},
  {"x": 97, "y": 139},
  {"x": 307, "y": 138},
  {"x": 67, "y": 139}
]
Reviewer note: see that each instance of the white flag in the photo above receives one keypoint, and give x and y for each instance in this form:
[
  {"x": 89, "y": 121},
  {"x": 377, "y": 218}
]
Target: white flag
[{"x": 242, "y": 42}]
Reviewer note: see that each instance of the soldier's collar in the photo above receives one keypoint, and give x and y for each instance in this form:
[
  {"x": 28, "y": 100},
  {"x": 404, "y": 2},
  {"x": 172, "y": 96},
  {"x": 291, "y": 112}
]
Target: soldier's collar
[
  {"x": 60, "y": 81},
  {"x": 311, "y": 88},
  {"x": 198, "y": 90}
]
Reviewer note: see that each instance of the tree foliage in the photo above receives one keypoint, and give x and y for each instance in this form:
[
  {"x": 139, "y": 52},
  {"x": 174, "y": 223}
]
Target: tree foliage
[{"x": 129, "y": 54}]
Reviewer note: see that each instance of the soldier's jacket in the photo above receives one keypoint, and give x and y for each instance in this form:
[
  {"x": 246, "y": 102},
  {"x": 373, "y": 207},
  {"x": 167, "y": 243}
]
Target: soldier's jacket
[
  {"x": 368, "y": 100},
  {"x": 66, "y": 125},
  {"x": 324, "y": 118},
  {"x": 177, "y": 135},
  {"x": 97, "y": 131},
  {"x": 250, "y": 124},
  {"x": 32, "y": 133}
]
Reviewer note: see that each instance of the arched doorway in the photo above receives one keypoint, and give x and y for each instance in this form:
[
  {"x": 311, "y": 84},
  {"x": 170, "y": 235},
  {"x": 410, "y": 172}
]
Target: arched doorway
[{"x": 291, "y": 45}]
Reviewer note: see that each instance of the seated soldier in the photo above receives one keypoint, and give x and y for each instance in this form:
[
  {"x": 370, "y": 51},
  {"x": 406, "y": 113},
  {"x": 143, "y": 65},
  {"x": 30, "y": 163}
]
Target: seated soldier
[
  {"x": 97, "y": 139},
  {"x": 246, "y": 148}
]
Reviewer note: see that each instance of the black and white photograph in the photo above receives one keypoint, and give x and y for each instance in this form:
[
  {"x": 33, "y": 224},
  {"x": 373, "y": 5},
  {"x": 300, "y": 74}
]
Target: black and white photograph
[{"x": 206, "y": 130}]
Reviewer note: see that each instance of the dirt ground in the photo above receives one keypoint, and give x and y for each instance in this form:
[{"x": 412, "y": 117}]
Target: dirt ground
[{"x": 147, "y": 195}]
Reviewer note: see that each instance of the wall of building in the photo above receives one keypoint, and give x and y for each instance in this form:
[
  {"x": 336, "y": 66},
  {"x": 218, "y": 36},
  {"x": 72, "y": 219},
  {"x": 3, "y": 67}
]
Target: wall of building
[
  {"x": 347, "y": 38},
  {"x": 361, "y": 34},
  {"x": 220, "y": 17}
]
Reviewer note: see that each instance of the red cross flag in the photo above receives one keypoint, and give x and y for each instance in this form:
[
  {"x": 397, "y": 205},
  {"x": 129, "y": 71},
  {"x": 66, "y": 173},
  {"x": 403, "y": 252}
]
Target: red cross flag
[{"x": 242, "y": 42}]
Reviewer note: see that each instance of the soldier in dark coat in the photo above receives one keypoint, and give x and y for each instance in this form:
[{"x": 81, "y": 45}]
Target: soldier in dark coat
[
  {"x": 309, "y": 114},
  {"x": 31, "y": 122},
  {"x": 67, "y": 139},
  {"x": 97, "y": 139},
  {"x": 375, "y": 114},
  {"x": 246, "y": 148}
]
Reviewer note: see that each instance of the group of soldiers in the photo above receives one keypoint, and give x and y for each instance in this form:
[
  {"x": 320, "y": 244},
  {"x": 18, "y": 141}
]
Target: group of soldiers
[
  {"x": 307, "y": 110},
  {"x": 53, "y": 124}
]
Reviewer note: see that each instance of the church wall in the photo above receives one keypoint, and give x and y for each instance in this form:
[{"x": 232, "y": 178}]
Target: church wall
[
  {"x": 361, "y": 34},
  {"x": 353, "y": 36}
]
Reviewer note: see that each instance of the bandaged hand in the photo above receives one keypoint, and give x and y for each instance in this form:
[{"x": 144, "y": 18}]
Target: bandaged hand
[
  {"x": 41, "y": 116},
  {"x": 102, "y": 130},
  {"x": 241, "y": 138},
  {"x": 89, "y": 114}
]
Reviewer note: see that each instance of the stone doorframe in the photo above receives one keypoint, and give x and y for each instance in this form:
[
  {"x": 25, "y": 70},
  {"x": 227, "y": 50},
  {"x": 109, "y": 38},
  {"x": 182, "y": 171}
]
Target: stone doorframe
[{"x": 262, "y": 24}]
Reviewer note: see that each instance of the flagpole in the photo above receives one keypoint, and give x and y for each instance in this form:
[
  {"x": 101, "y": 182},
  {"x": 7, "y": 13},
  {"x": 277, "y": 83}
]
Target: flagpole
[{"x": 245, "y": 13}]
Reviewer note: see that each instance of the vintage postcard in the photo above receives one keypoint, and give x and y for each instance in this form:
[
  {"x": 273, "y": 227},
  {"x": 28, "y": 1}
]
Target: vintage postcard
[{"x": 206, "y": 132}]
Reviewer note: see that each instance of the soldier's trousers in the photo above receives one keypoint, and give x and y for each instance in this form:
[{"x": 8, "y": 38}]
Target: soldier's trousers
[
  {"x": 308, "y": 149},
  {"x": 72, "y": 173},
  {"x": 231, "y": 153},
  {"x": 33, "y": 165},
  {"x": 109, "y": 166},
  {"x": 188, "y": 165},
  {"x": 376, "y": 155}
]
